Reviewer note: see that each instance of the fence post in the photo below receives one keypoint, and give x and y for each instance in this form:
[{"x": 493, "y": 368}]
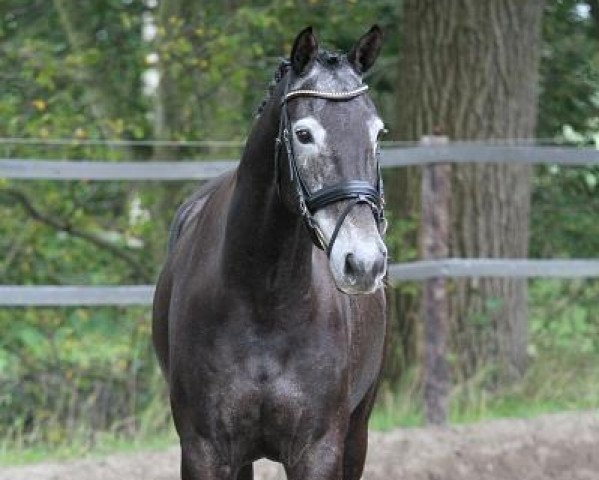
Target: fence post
[{"x": 436, "y": 188}]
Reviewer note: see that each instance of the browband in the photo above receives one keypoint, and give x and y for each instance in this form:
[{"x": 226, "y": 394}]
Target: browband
[{"x": 326, "y": 95}]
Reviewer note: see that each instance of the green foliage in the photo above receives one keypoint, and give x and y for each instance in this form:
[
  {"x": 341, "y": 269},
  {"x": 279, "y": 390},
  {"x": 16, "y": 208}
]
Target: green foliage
[
  {"x": 62, "y": 73},
  {"x": 572, "y": 322},
  {"x": 569, "y": 71},
  {"x": 564, "y": 206},
  {"x": 70, "y": 371},
  {"x": 564, "y": 199}
]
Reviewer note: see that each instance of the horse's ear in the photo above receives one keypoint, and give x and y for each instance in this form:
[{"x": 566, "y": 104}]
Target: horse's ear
[
  {"x": 366, "y": 50},
  {"x": 303, "y": 53}
]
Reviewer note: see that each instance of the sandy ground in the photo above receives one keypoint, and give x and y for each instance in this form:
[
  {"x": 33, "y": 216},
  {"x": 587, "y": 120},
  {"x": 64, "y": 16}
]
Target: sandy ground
[{"x": 552, "y": 447}]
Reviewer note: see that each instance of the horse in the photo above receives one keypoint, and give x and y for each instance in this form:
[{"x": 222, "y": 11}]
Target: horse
[{"x": 269, "y": 315}]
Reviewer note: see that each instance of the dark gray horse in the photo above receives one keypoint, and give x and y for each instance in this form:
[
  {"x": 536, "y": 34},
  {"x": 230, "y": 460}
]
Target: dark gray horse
[{"x": 272, "y": 347}]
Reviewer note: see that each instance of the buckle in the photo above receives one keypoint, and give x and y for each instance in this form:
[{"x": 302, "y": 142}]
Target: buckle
[
  {"x": 315, "y": 232},
  {"x": 304, "y": 209}
]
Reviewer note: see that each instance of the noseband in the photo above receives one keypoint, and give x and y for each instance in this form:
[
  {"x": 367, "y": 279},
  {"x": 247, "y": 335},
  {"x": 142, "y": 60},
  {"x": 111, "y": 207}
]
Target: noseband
[{"x": 354, "y": 191}]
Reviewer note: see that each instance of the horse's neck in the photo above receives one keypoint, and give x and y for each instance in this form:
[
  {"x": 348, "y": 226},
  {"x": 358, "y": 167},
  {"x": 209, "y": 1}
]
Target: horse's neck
[{"x": 266, "y": 246}]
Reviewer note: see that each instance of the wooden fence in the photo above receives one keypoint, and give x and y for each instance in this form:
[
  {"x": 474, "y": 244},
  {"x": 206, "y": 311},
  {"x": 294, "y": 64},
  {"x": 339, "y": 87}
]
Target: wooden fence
[
  {"x": 434, "y": 154},
  {"x": 390, "y": 157}
]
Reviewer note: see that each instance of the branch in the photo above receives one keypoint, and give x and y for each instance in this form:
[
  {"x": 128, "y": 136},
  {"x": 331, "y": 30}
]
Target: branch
[
  {"x": 58, "y": 224},
  {"x": 13, "y": 251}
]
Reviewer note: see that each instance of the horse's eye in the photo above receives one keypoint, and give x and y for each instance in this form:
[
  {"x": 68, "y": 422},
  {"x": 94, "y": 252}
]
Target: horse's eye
[{"x": 304, "y": 136}]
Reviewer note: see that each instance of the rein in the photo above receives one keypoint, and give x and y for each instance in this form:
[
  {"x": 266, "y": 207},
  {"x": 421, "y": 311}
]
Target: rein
[{"x": 354, "y": 191}]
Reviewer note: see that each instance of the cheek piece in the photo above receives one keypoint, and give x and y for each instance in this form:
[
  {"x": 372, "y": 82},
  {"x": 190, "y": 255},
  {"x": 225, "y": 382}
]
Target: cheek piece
[{"x": 352, "y": 191}]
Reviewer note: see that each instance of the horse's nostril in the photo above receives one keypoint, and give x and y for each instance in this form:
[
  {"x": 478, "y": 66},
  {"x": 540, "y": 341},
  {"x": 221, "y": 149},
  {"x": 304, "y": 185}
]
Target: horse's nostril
[
  {"x": 364, "y": 271},
  {"x": 351, "y": 267}
]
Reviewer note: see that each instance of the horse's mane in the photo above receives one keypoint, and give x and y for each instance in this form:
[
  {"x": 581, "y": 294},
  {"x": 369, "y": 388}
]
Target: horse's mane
[{"x": 278, "y": 75}]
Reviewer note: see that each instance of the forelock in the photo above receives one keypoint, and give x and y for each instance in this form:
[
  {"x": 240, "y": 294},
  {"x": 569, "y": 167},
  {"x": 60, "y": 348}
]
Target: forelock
[{"x": 331, "y": 72}]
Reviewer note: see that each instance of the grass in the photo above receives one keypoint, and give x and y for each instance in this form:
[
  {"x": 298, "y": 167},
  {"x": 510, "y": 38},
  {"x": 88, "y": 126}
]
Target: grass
[
  {"x": 104, "y": 444},
  {"x": 83, "y": 442},
  {"x": 552, "y": 384}
]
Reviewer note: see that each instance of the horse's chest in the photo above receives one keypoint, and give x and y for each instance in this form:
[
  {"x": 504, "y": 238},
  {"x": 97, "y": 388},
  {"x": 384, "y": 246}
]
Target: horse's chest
[{"x": 275, "y": 386}]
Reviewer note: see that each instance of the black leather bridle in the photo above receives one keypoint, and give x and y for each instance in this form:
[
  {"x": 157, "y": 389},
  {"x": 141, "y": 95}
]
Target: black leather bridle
[{"x": 355, "y": 191}]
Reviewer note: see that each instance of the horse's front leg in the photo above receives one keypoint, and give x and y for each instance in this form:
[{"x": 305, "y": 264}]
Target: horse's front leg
[
  {"x": 322, "y": 460},
  {"x": 201, "y": 461}
]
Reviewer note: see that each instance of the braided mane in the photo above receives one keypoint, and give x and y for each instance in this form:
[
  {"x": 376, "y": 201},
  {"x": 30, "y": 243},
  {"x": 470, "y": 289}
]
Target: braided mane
[{"x": 279, "y": 74}]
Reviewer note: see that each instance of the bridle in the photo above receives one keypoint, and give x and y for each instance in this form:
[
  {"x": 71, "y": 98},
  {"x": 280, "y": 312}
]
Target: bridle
[{"x": 355, "y": 191}]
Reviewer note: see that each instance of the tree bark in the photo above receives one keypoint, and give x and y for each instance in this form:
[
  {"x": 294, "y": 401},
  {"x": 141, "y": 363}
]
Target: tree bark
[{"x": 469, "y": 69}]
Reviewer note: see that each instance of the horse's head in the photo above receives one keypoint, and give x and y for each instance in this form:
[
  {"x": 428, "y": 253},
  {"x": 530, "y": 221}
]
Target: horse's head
[{"x": 330, "y": 129}]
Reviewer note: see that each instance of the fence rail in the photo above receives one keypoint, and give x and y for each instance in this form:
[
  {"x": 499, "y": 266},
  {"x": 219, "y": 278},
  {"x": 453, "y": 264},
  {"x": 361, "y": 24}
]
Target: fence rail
[
  {"x": 79, "y": 295},
  {"x": 75, "y": 295},
  {"x": 101, "y": 170},
  {"x": 473, "y": 153},
  {"x": 494, "y": 267},
  {"x": 203, "y": 170}
]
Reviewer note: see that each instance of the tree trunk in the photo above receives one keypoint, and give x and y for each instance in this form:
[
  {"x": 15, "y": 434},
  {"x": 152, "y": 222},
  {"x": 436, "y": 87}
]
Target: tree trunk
[{"x": 469, "y": 70}]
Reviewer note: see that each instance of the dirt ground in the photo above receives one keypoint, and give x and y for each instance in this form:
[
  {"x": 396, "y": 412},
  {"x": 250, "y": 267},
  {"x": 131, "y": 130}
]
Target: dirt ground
[{"x": 551, "y": 447}]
